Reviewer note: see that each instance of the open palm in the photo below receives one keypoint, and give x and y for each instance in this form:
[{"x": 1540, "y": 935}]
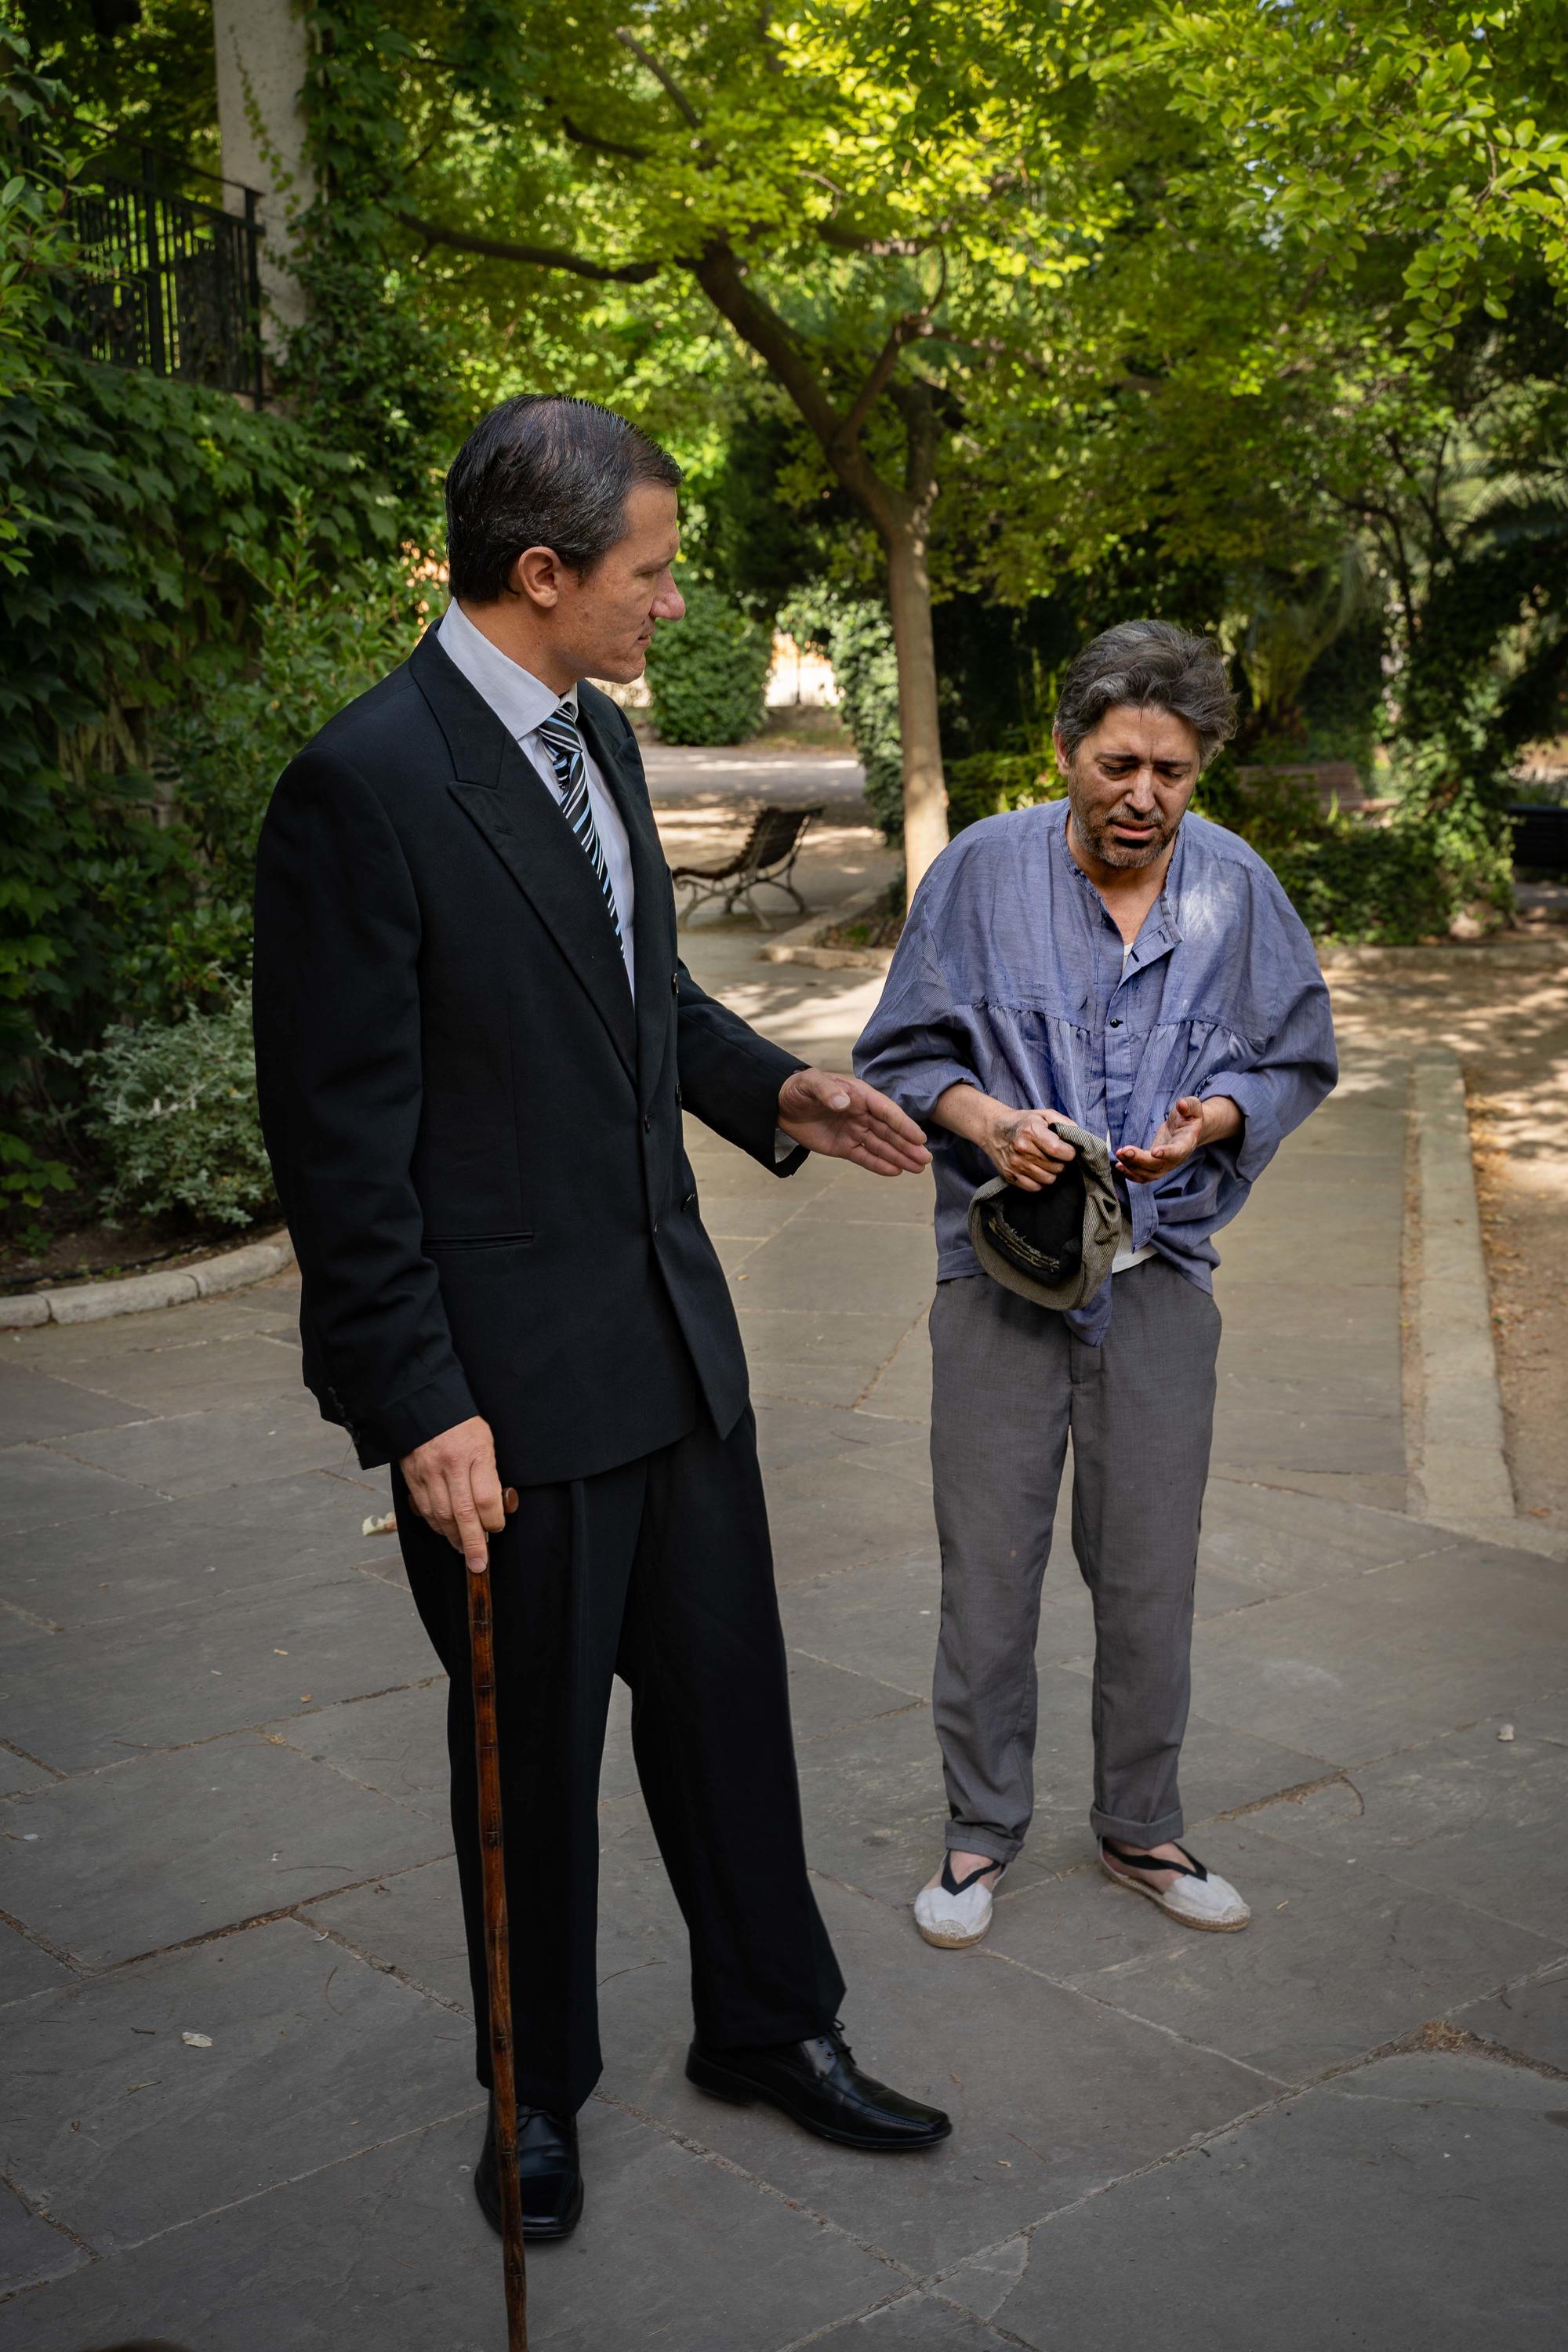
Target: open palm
[{"x": 844, "y": 1119}]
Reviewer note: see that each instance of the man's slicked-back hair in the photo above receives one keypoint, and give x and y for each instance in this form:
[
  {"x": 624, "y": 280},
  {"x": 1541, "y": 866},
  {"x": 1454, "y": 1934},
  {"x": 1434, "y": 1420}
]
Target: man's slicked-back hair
[
  {"x": 542, "y": 470},
  {"x": 1152, "y": 665}
]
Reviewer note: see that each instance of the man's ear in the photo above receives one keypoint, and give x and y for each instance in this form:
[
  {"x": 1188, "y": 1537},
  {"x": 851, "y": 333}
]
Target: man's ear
[
  {"x": 1063, "y": 765},
  {"x": 537, "y": 575}
]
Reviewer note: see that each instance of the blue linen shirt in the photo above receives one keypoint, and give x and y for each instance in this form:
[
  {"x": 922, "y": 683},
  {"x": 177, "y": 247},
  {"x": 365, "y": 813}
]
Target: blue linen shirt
[{"x": 1010, "y": 977}]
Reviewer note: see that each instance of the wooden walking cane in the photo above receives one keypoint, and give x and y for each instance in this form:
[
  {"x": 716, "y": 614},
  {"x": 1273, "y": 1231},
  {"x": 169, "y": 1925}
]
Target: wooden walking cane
[{"x": 498, "y": 1968}]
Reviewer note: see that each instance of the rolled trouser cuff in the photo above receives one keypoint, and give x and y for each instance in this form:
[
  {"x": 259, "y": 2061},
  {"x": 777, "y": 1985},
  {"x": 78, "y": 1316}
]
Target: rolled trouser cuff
[
  {"x": 963, "y": 1839},
  {"x": 1143, "y": 1833}
]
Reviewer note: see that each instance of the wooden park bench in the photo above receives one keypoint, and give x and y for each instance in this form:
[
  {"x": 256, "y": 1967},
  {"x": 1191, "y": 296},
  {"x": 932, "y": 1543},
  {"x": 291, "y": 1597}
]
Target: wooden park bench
[{"x": 767, "y": 854}]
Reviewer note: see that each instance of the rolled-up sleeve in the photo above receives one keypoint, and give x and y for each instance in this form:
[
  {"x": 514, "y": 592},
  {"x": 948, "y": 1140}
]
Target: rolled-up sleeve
[{"x": 915, "y": 1044}]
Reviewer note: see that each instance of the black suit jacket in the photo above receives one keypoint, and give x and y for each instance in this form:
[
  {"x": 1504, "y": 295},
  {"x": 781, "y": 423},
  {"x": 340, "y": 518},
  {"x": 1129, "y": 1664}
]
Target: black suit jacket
[{"x": 475, "y": 1137}]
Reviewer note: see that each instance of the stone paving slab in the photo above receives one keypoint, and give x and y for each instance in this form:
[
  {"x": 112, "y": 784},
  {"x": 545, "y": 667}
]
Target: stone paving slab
[
  {"x": 915, "y": 2322},
  {"x": 1388, "y": 1660},
  {"x": 244, "y": 1366},
  {"x": 841, "y": 1513},
  {"x": 843, "y": 1269},
  {"x": 34, "y": 1406},
  {"x": 1052, "y": 2095},
  {"x": 1531, "y": 2018},
  {"x": 902, "y": 1384},
  {"x": 32, "y": 2253},
  {"x": 314, "y": 2057},
  {"x": 1339, "y": 1958},
  {"x": 817, "y": 1357},
  {"x": 82, "y": 1350},
  {"x": 411, "y": 1922},
  {"x": 26, "y": 1967},
  {"x": 394, "y": 1743},
  {"x": 169, "y": 1676},
  {"x": 201, "y": 1452},
  {"x": 1468, "y": 1816},
  {"x": 19, "y": 1776},
  {"x": 390, "y": 2248},
  {"x": 44, "y": 1488},
  {"x": 789, "y": 1432},
  {"x": 1373, "y": 1490},
  {"x": 204, "y": 1550},
  {"x": 1366, "y": 2213},
  {"x": 172, "y": 1846}
]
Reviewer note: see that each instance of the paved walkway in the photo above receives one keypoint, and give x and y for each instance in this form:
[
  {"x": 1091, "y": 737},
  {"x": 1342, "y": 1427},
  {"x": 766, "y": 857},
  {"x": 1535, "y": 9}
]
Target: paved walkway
[{"x": 223, "y": 1735}]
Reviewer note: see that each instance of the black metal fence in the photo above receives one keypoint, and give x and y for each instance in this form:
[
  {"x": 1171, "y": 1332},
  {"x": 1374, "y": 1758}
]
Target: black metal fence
[{"x": 166, "y": 282}]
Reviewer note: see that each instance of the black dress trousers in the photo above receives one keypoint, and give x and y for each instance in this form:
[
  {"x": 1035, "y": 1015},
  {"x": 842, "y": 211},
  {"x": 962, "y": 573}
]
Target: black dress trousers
[{"x": 660, "y": 1571}]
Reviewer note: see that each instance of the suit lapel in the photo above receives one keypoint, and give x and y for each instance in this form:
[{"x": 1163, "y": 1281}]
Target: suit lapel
[
  {"x": 502, "y": 793},
  {"x": 654, "y": 945}
]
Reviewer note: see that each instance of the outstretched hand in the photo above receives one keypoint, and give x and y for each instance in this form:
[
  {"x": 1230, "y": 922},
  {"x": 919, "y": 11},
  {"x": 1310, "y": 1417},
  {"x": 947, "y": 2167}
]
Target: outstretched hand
[
  {"x": 1192, "y": 1122},
  {"x": 844, "y": 1119}
]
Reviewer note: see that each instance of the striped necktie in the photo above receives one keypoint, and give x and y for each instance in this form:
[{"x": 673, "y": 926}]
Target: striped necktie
[{"x": 564, "y": 745}]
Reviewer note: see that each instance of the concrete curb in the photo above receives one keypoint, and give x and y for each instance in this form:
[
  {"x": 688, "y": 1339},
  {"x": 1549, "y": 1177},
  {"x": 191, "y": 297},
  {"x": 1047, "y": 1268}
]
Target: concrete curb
[
  {"x": 1460, "y": 1476},
  {"x": 800, "y": 945},
  {"x": 94, "y": 1302}
]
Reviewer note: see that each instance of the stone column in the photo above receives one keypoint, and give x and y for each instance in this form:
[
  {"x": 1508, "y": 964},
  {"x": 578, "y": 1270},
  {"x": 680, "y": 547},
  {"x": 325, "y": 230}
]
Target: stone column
[{"x": 261, "y": 63}]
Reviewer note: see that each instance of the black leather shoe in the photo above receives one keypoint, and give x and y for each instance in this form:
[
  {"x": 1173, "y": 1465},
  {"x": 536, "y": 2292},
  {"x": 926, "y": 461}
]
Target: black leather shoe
[
  {"x": 549, "y": 2177},
  {"x": 818, "y": 2086}
]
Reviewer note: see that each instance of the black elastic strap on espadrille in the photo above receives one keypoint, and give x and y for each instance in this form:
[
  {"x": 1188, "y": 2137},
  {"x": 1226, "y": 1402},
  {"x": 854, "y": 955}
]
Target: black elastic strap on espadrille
[
  {"x": 1157, "y": 1862},
  {"x": 951, "y": 1885}
]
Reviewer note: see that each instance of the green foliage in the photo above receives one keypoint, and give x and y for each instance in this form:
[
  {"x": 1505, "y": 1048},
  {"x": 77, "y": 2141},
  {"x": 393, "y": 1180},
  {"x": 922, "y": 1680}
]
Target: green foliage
[
  {"x": 987, "y": 783},
  {"x": 855, "y": 635},
  {"x": 1360, "y": 885},
  {"x": 708, "y": 672},
  {"x": 172, "y": 1107},
  {"x": 372, "y": 369},
  {"x": 1350, "y": 879},
  {"x": 133, "y": 604}
]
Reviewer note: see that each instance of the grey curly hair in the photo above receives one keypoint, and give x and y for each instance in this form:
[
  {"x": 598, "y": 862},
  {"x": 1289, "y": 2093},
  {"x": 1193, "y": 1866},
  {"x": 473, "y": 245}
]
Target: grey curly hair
[{"x": 1151, "y": 665}]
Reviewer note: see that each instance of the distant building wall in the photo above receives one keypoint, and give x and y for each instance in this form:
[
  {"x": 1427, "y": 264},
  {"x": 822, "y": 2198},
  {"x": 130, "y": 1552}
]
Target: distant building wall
[{"x": 262, "y": 58}]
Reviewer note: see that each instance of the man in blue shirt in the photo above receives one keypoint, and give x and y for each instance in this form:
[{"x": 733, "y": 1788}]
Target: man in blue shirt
[{"x": 1109, "y": 959}]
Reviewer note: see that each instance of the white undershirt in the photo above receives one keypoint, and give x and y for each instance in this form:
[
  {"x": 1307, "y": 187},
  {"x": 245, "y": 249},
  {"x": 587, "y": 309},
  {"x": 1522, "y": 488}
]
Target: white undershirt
[
  {"x": 522, "y": 703},
  {"x": 1126, "y": 1256}
]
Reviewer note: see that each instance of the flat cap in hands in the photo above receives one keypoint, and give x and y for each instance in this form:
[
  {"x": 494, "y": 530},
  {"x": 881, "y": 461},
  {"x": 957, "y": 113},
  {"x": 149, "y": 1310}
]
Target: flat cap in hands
[{"x": 1055, "y": 1245}]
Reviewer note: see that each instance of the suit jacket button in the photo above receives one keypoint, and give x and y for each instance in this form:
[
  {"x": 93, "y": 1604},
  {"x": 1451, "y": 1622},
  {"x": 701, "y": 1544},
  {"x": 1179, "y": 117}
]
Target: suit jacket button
[
  {"x": 674, "y": 983},
  {"x": 648, "y": 1122},
  {"x": 690, "y": 1201}
]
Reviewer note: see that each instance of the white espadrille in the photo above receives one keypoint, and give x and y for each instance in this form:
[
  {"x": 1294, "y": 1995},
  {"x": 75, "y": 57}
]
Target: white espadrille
[
  {"x": 1197, "y": 1898},
  {"x": 957, "y": 1911}
]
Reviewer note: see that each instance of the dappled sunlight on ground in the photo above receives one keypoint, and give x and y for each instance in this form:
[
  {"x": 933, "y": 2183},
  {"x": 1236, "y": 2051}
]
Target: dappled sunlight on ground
[{"x": 1509, "y": 1029}]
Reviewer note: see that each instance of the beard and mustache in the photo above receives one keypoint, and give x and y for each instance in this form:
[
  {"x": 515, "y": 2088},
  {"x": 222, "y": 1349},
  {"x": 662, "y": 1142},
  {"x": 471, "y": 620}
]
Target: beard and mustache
[{"x": 1096, "y": 823}]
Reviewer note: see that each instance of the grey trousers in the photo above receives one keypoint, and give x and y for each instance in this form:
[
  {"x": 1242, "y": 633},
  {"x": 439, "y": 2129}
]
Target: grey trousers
[{"x": 1010, "y": 1382}]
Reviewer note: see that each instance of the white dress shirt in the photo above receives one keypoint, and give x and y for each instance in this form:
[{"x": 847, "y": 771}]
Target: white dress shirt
[{"x": 522, "y": 703}]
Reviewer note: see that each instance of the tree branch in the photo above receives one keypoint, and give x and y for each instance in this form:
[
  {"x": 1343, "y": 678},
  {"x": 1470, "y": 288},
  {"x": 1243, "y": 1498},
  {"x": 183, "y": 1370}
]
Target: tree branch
[
  {"x": 581, "y": 138},
  {"x": 718, "y": 273},
  {"x": 664, "y": 77},
  {"x": 844, "y": 238},
  {"x": 538, "y": 256},
  {"x": 904, "y": 332}
]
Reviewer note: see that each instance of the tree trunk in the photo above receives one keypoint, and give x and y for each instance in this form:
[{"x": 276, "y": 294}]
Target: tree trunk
[{"x": 925, "y": 792}]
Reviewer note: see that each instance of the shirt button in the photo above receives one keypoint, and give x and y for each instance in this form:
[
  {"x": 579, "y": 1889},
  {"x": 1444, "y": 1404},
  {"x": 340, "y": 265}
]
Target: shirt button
[{"x": 1116, "y": 1024}]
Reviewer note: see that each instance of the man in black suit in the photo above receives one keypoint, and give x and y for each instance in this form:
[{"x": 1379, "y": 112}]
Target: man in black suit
[{"x": 474, "y": 1038}]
